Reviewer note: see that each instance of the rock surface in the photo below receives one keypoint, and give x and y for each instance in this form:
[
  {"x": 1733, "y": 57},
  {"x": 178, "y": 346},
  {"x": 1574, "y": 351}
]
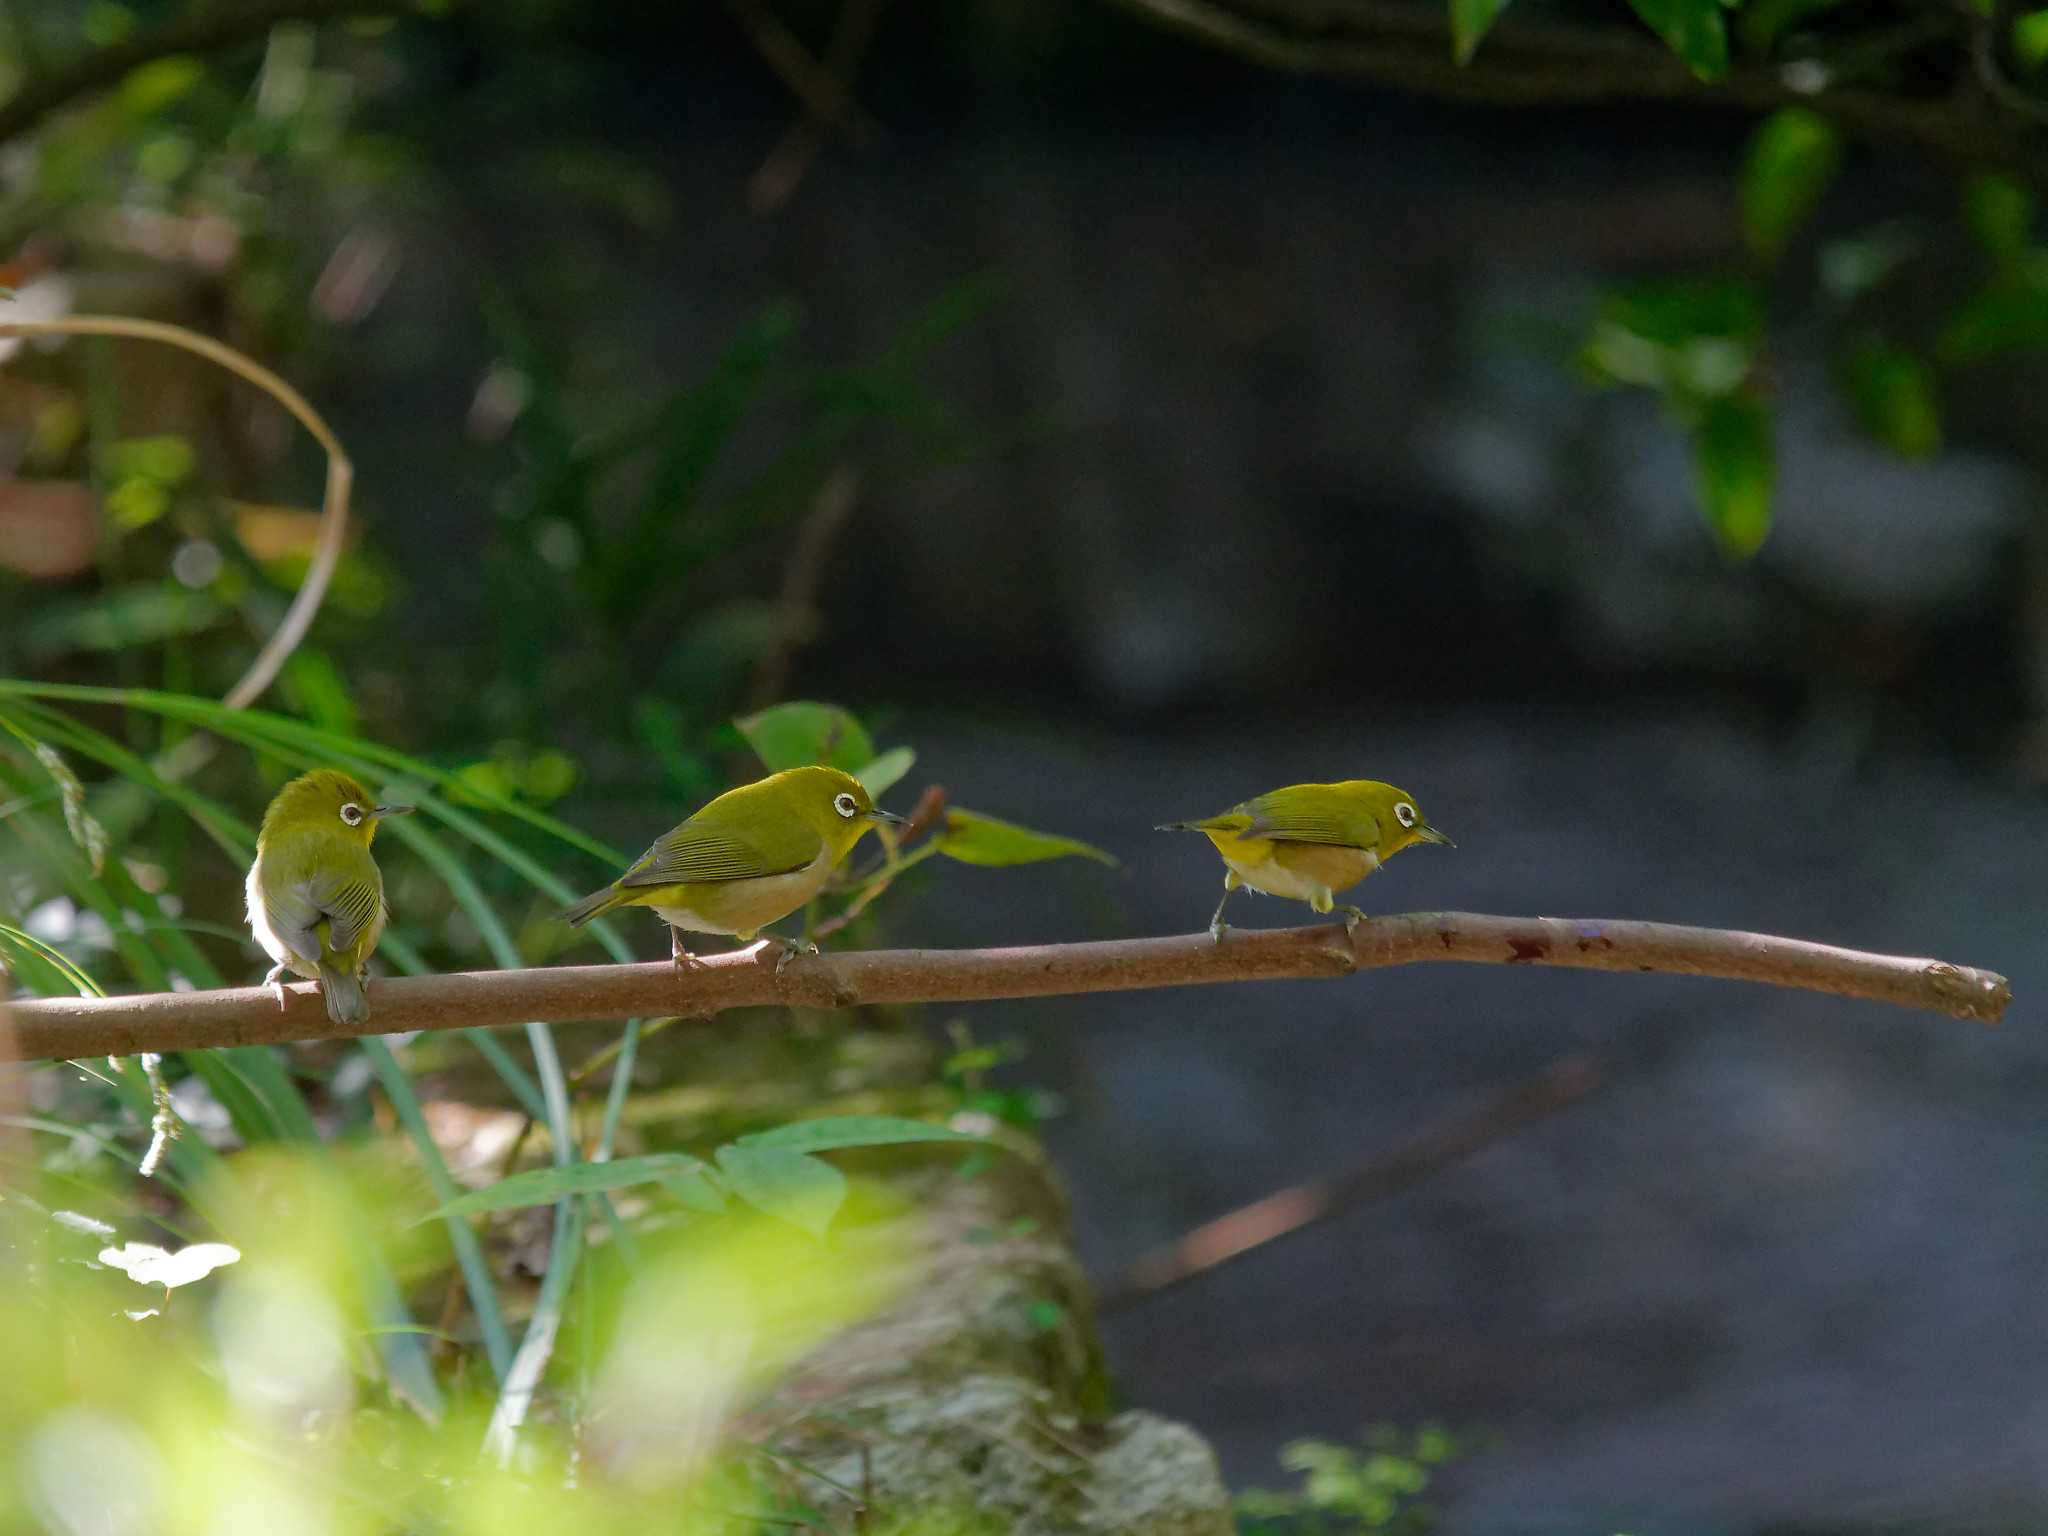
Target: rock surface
[{"x": 978, "y": 1397}]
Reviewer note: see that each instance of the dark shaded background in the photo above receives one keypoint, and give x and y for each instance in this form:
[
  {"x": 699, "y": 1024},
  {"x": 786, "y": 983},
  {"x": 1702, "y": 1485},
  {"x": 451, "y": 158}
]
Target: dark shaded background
[
  {"x": 1271, "y": 469},
  {"x": 1285, "y": 481}
]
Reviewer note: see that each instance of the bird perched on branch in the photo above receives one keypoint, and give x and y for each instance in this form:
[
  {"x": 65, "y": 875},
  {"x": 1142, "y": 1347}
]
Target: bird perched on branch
[
  {"x": 1311, "y": 841},
  {"x": 753, "y": 855},
  {"x": 316, "y": 898}
]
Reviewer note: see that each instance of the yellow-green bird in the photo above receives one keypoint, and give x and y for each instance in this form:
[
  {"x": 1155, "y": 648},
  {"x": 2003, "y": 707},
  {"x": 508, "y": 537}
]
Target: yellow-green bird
[
  {"x": 1311, "y": 841},
  {"x": 316, "y": 899},
  {"x": 753, "y": 855}
]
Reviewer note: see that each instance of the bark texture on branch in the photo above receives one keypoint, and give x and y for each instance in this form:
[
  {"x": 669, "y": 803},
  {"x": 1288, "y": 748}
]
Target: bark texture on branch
[{"x": 59, "y": 1028}]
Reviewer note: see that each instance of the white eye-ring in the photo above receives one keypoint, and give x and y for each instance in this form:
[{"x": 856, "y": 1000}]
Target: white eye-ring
[
  {"x": 352, "y": 814},
  {"x": 1404, "y": 813},
  {"x": 845, "y": 804}
]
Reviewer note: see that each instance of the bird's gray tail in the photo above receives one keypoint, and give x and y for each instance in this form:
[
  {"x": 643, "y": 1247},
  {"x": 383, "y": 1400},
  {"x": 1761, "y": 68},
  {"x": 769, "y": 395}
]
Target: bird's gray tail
[
  {"x": 347, "y": 1002},
  {"x": 597, "y": 901}
]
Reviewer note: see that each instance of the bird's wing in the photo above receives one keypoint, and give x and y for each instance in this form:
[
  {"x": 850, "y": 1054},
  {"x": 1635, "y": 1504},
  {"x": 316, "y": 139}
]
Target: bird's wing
[
  {"x": 1310, "y": 813},
  {"x": 350, "y": 901},
  {"x": 701, "y": 851}
]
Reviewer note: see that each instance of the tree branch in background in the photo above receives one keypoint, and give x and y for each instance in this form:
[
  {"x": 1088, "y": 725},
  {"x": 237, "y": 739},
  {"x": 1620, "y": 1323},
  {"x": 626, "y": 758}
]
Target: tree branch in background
[
  {"x": 775, "y": 180},
  {"x": 204, "y": 28},
  {"x": 60, "y": 1028},
  {"x": 823, "y": 92},
  {"x": 1522, "y": 63},
  {"x": 1300, "y": 1206}
]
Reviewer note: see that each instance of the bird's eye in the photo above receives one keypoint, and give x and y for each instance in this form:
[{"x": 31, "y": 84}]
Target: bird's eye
[
  {"x": 352, "y": 814},
  {"x": 1404, "y": 813},
  {"x": 845, "y": 805}
]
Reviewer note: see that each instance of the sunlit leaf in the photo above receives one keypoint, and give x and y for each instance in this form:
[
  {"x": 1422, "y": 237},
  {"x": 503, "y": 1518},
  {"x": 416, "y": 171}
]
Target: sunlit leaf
[
  {"x": 1692, "y": 29},
  {"x": 1471, "y": 20},
  {"x": 2030, "y": 38},
  {"x": 157, "y": 85},
  {"x": 147, "y": 1264},
  {"x": 1734, "y": 470},
  {"x": 544, "y": 1186},
  {"x": 1792, "y": 157},
  {"x": 886, "y": 771},
  {"x": 976, "y": 839},
  {"x": 1896, "y": 397},
  {"x": 789, "y": 1185},
  {"x": 791, "y": 735},
  {"x": 853, "y": 1131}
]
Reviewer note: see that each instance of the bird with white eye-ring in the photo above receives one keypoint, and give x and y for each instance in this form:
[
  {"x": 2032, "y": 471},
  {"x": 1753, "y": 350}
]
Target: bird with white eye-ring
[
  {"x": 1309, "y": 842},
  {"x": 315, "y": 895},
  {"x": 755, "y": 854}
]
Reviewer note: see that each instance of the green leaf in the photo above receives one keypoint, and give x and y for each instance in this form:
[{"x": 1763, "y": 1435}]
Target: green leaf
[
  {"x": 1471, "y": 20},
  {"x": 1692, "y": 29},
  {"x": 1791, "y": 159},
  {"x": 789, "y": 1185},
  {"x": 118, "y": 619},
  {"x": 83, "y": 826},
  {"x": 836, "y": 1131},
  {"x": 1896, "y": 397},
  {"x": 2000, "y": 212},
  {"x": 1997, "y": 321},
  {"x": 973, "y": 838},
  {"x": 155, "y": 86},
  {"x": 2030, "y": 38},
  {"x": 544, "y": 1186},
  {"x": 791, "y": 735},
  {"x": 884, "y": 772},
  {"x": 1691, "y": 341},
  {"x": 1734, "y": 466}
]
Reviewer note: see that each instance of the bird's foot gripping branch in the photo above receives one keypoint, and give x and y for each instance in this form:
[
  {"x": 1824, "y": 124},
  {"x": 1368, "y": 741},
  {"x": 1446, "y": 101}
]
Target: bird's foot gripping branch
[{"x": 58, "y": 1028}]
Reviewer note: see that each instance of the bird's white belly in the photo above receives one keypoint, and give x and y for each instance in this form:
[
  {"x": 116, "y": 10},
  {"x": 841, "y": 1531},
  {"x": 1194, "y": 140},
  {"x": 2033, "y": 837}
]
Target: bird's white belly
[
  {"x": 1273, "y": 879},
  {"x": 259, "y": 924},
  {"x": 774, "y": 894}
]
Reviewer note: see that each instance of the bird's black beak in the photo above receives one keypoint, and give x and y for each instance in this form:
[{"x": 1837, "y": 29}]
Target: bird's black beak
[
  {"x": 379, "y": 812},
  {"x": 1428, "y": 834},
  {"x": 886, "y": 818}
]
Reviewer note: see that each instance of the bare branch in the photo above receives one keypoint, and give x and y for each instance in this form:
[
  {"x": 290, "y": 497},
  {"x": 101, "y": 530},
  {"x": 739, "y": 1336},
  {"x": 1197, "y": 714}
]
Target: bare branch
[
  {"x": 1300, "y": 1206},
  {"x": 1406, "y": 44},
  {"x": 202, "y": 29},
  {"x": 58, "y": 1028}
]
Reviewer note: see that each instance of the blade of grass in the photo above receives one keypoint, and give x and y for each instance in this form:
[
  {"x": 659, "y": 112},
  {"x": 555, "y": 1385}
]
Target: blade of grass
[{"x": 469, "y": 1255}]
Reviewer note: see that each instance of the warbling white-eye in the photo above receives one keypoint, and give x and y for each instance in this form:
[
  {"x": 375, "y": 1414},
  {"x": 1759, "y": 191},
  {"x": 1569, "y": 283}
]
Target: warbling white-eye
[
  {"x": 755, "y": 854},
  {"x": 1310, "y": 841},
  {"x": 316, "y": 899}
]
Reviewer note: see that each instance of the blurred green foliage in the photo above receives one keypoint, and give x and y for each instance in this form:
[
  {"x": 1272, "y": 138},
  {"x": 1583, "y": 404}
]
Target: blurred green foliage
[{"x": 1376, "y": 1486}]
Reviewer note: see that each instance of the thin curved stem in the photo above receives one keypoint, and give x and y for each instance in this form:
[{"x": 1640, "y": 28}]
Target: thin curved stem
[{"x": 298, "y": 618}]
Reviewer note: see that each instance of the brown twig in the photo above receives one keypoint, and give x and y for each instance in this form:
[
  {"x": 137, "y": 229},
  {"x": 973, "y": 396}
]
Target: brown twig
[
  {"x": 929, "y": 812},
  {"x": 58, "y": 1028},
  {"x": 1299, "y": 1206},
  {"x": 202, "y": 29},
  {"x": 823, "y": 94},
  {"x": 777, "y": 177}
]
